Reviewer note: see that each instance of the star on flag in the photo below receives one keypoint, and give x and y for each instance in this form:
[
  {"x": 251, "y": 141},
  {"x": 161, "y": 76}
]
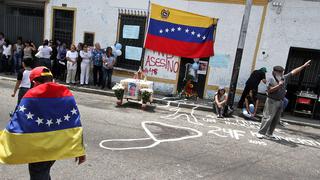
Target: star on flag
[
  {"x": 22, "y": 108},
  {"x": 58, "y": 121},
  {"x": 49, "y": 122},
  {"x": 67, "y": 117},
  {"x": 74, "y": 111},
  {"x": 29, "y": 115},
  {"x": 39, "y": 121}
]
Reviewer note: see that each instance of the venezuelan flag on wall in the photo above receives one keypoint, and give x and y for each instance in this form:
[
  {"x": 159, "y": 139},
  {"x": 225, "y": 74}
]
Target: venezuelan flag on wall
[
  {"x": 46, "y": 126},
  {"x": 180, "y": 33}
]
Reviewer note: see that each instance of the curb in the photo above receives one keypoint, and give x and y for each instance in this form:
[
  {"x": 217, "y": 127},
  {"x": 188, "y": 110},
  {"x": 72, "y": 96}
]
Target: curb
[
  {"x": 165, "y": 102},
  {"x": 301, "y": 123}
]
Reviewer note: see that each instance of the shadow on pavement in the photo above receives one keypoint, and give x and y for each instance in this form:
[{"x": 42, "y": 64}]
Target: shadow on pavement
[{"x": 136, "y": 105}]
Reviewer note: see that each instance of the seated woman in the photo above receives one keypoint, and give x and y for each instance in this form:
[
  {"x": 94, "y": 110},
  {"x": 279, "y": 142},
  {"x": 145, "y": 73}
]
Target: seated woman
[
  {"x": 220, "y": 101},
  {"x": 250, "y": 105},
  {"x": 139, "y": 74}
]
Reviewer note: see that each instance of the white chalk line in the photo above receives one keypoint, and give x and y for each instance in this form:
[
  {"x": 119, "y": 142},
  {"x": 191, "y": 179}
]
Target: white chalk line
[{"x": 151, "y": 136}]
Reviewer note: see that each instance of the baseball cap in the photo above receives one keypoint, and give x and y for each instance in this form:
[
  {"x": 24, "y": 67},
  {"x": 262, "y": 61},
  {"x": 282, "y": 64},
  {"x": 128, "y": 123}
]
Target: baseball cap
[
  {"x": 39, "y": 72},
  {"x": 278, "y": 68},
  {"x": 263, "y": 69}
]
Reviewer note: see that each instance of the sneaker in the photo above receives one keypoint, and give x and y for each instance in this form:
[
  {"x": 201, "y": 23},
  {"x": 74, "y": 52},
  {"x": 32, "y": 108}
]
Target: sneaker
[
  {"x": 281, "y": 123},
  {"x": 260, "y": 136},
  {"x": 270, "y": 136}
]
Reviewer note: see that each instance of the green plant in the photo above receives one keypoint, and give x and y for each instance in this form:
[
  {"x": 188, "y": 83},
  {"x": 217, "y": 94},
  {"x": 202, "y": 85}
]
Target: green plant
[
  {"x": 146, "y": 95},
  {"x": 118, "y": 91}
]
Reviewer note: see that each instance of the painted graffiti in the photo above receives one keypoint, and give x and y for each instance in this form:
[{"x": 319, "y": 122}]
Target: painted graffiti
[{"x": 160, "y": 65}]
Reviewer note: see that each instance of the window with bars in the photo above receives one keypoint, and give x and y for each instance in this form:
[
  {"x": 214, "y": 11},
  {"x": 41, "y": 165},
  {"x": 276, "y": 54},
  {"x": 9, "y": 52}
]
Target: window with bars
[
  {"x": 63, "y": 25},
  {"x": 133, "y": 18},
  {"x": 88, "y": 38}
]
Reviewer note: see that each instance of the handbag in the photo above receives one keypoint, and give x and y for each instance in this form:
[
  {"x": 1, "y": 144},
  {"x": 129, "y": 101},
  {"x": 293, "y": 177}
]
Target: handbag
[{"x": 38, "y": 55}]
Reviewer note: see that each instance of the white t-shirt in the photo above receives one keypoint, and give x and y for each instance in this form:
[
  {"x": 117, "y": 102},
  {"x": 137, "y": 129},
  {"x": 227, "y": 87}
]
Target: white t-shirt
[
  {"x": 85, "y": 56},
  {"x": 73, "y": 57},
  {"x": 25, "y": 82},
  {"x": 45, "y": 51},
  {"x": 7, "y": 50}
]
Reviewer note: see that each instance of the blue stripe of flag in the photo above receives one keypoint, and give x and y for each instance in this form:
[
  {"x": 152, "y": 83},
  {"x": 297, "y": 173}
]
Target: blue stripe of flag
[
  {"x": 180, "y": 32},
  {"x": 43, "y": 115}
]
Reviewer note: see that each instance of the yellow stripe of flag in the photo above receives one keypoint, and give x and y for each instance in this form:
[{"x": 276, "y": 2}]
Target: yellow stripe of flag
[
  {"x": 38, "y": 147},
  {"x": 180, "y": 17}
]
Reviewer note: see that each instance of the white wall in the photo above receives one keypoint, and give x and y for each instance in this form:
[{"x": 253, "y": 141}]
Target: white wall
[
  {"x": 101, "y": 17},
  {"x": 297, "y": 25}
]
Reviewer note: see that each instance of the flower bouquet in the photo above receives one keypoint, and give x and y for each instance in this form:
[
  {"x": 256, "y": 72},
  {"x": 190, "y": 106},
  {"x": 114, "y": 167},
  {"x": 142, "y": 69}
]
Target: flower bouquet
[
  {"x": 118, "y": 92},
  {"x": 146, "y": 95}
]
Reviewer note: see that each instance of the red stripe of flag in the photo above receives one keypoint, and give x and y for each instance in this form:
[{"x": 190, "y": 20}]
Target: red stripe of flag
[
  {"x": 48, "y": 90},
  {"x": 179, "y": 48}
]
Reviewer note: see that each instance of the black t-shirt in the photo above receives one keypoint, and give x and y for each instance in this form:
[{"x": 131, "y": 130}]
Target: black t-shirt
[{"x": 255, "y": 78}]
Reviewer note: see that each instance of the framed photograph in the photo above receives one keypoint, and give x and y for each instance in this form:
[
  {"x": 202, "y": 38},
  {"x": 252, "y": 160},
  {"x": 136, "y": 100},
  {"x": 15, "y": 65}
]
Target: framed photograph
[
  {"x": 132, "y": 90},
  {"x": 203, "y": 66}
]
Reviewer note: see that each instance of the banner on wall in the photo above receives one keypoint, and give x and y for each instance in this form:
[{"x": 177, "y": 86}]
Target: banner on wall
[{"x": 160, "y": 65}]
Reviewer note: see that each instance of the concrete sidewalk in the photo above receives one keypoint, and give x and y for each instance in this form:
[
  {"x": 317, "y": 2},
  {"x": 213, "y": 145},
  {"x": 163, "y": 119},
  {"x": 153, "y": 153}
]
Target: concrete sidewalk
[{"x": 203, "y": 105}]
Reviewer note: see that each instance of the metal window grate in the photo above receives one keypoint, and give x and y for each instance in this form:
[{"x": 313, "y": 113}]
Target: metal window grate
[
  {"x": 131, "y": 17},
  {"x": 63, "y": 26}
]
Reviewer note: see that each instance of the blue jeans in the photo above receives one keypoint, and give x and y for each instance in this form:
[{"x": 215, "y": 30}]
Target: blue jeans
[
  {"x": 285, "y": 103},
  {"x": 107, "y": 75},
  {"x": 246, "y": 113},
  {"x": 17, "y": 62},
  {"x": 45, "y": 62}
]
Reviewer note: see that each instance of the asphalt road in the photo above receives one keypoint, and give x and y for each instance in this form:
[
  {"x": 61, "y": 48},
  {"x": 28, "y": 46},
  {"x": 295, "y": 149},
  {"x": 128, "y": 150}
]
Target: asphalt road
[{"x": 175, "y": 143}]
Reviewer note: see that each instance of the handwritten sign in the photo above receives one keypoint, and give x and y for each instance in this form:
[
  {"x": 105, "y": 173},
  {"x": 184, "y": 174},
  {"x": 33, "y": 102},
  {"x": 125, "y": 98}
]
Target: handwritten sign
[
  {"x": 130, "y": 32},
  {"x": 133, "y": 53},
  {"x": 219, "y": 64},
  {"x": 219, "y": 61},
  {"x": 160, "y": 65}
]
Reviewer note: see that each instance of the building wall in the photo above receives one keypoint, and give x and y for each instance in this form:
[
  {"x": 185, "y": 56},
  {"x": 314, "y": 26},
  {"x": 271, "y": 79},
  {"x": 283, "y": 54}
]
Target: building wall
[{"x": 297, "y": 25}]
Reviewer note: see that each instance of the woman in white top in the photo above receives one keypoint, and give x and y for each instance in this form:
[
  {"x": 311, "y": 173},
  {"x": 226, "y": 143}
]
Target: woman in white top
[
  {"x": 85, "y": 65},
  {"x": 29, "y": 47},
  {"x": 6, "y": 56},
  {"x": 44, "y": 54},
  {"x": 72, "y": 57}
]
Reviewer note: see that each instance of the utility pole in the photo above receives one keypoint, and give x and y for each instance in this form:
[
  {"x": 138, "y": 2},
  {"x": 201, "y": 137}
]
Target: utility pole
[{"x": 237, "y": 60}]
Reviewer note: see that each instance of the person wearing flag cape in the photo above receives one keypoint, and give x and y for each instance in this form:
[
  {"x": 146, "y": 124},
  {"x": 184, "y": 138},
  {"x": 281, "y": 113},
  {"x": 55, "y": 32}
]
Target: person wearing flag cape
[{"x": 44, "y": 128}]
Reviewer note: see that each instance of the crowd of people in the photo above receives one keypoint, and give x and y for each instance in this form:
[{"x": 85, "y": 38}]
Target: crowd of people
[{"x": 68, "y": 64}]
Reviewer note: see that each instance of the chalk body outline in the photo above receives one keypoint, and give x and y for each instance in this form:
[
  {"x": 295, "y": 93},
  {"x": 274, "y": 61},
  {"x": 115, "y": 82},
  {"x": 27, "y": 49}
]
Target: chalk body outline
[{"x": 151, "y": 137}]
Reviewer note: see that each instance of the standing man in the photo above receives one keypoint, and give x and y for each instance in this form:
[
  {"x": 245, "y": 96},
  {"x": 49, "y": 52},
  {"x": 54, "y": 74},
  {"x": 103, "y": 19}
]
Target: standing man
[
  {"x": 252, "y": 83},
  {"x": 45, "y": 127},
  {"x": 274, "y": 103}
]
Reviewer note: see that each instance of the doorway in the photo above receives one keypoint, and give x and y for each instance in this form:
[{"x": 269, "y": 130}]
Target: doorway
[
  {"x": 202, "y": 74},
  {"x": 307, "y": 80}
]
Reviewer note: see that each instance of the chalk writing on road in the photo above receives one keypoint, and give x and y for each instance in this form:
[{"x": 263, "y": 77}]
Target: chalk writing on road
[{"x": 172, "y": 133}]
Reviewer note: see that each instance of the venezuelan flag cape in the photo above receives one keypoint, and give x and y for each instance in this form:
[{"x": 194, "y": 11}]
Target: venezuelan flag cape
[
  {"x": 46, "y": 126},
  {"x": 180, "y": 33}
]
